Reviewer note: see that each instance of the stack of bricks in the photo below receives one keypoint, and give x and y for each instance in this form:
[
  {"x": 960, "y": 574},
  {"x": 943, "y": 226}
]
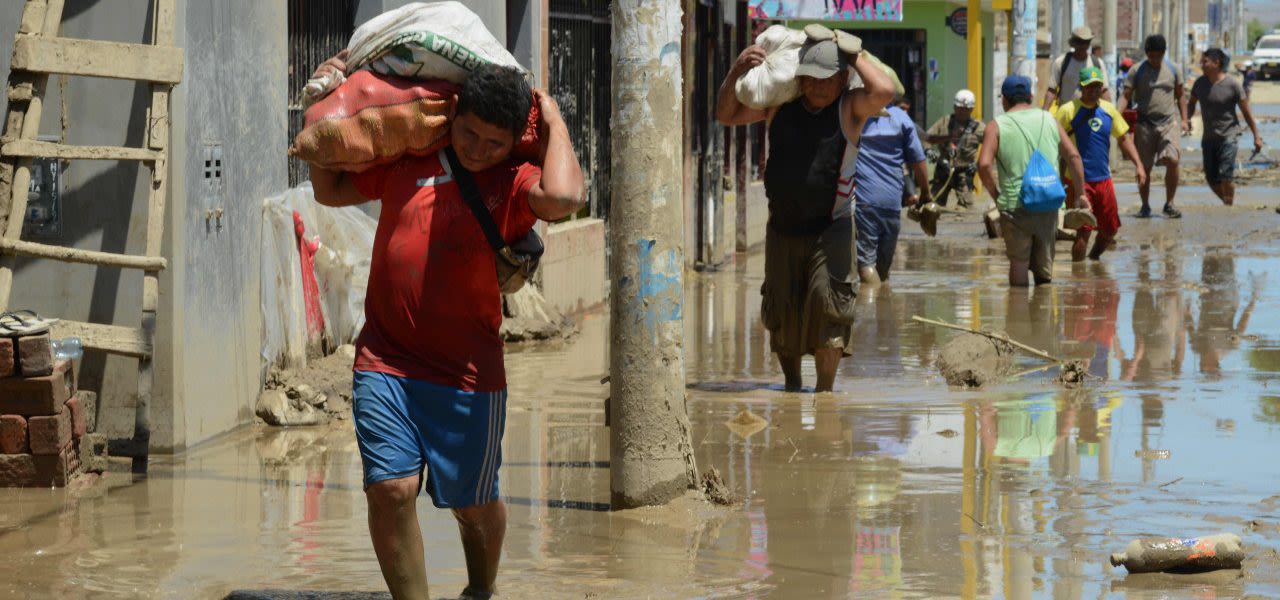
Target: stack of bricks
[{"x": 44, "y": 438}]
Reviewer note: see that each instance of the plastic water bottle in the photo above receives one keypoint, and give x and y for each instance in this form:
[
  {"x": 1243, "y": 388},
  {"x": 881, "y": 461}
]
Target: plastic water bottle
[
  {"x": 68, "y": 349},
  {"x": 1222, "y": 551}
]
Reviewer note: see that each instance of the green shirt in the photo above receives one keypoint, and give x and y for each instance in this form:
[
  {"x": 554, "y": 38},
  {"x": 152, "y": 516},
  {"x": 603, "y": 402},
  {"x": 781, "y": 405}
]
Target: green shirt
[{"x": 1021, "y": 133}]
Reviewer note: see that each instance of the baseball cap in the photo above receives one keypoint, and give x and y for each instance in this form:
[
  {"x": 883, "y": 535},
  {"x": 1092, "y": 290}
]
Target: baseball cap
[
  {"x": 1082, "y": 33},
  {"x": 1015, "y": 84},
  {"x": 1091, "y": 75},
  {"x": 965, "y": 99},
  {"x": 819, "y": 60},
  {"x": 1126, "y": 62}
]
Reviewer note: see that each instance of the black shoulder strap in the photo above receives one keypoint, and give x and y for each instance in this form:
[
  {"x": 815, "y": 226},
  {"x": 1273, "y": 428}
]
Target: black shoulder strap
[
  {"x": 1062, "y": 71},
  {"x": 471, "y": 195}
]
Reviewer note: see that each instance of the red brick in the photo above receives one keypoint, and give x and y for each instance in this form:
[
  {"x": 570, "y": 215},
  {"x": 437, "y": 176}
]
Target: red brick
[
  {"x": 50, "y": 435},
  {"x": 8, "y": 366},
  {"x": 13, "y": 435},
  {"x": 17, "y": 470},
  {"x": 35, "y": 356},
  {"x": 78, "y": 426},
  {"x": 37, "y": 396}
]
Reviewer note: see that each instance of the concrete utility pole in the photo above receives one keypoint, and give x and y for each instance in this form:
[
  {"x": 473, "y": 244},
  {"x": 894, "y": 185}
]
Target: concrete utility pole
[
  {"x": 1023, "y": 49},
  {"x": 973, "y": 41},
  {"x": 1148, "y": 20},
  {"x": 1059, "y": 28},
  {"x": 650, "y": 453},
  {"x": 1109, "y": 36},
  {"x": 1164, "y": 23}
]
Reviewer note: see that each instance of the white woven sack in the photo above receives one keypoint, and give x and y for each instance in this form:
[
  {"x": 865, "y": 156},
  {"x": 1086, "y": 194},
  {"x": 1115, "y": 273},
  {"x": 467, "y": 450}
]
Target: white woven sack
[
  {"x": 773, "y": 82},
  {"x": 420, "y": 40}
]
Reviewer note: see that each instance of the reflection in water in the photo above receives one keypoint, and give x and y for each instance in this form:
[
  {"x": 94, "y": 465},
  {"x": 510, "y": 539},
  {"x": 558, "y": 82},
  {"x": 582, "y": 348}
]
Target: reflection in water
[
  {"x": 1218, "y": 331},
  {"x": 1089, "y": 314},
  {"x": 1159, "y": 314},
  {"x": 895, "y": 487}
]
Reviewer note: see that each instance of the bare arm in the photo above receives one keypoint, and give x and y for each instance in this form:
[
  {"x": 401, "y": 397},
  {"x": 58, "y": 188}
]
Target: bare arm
[
  {"x": 921, "y": 172},
  {"x": 866, "y": 101},
  {"x": 335, "y": 188},
  {"x": 987, "y": 159},
  {"x": 560, "y": 192},
  {"x": 729, "y": 110},
  {"x": 1131, "y": 152},
  {"x": 1253, "y": 125},
  {"x": 1181, "y": 95},
  {"x": 1067, "y": 149},
  {"x": 1126, "y": 98},
  {"x": 1191, "y": 108},
  {"x": 1050, "y": 95}
]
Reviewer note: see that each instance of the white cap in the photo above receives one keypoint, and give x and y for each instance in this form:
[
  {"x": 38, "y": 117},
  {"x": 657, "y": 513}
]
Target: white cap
[{"x": 965, "y": 99}]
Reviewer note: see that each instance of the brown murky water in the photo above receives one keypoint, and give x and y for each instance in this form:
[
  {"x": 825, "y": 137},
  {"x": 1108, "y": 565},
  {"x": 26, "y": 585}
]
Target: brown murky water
[{"x": 893, "y": 487}]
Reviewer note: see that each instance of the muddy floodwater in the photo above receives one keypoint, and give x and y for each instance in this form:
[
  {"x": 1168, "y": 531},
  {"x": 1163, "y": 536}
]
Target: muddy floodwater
[{"x": 893, "y": 487}]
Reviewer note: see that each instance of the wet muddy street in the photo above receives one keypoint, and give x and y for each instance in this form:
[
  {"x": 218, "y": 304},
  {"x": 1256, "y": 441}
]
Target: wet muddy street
[{"x": 895, "y": 486}]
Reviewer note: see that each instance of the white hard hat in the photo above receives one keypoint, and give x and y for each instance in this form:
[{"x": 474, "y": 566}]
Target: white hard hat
[{"x": 965, "y": 99}]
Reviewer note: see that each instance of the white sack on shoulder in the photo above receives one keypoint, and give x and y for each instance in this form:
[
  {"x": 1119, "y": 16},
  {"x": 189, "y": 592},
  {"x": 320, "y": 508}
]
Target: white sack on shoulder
[
  {"x": 420, "y": 40},
  {"x": 773, "y": 82}
]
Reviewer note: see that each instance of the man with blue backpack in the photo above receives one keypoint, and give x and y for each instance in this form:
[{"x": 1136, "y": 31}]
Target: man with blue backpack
[{"x": 1019, "y": 152}]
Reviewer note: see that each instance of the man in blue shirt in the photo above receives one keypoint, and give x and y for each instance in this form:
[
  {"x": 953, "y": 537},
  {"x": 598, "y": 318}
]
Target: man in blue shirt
[{"x": 887, "y": 143}]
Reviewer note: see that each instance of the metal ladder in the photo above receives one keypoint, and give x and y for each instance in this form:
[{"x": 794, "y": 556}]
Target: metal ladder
[{"x": 38, "y": 51}]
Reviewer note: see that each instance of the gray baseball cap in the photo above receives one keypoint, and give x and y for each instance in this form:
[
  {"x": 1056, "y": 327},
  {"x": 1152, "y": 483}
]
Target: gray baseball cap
[{"x": 819, "y": 60}]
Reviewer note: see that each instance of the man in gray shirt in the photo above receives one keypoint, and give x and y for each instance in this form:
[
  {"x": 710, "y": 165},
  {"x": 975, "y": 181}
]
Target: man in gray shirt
[
  {"x": 1220, "y": 94},
  {"x": 1064, "y": 85},
  {"x": 1154, "y": 88}
]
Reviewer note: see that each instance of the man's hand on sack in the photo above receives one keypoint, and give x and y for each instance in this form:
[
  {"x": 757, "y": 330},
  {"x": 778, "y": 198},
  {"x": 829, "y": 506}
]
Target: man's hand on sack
[
  {"x": 752, "y": 57},
  {"x": 549, "y": 119},
  {"x": 337, "y": 63}
]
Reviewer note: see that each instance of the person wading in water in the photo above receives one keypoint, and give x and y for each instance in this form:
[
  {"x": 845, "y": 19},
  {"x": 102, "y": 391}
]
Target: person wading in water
[{"x": 808, "y": 297}]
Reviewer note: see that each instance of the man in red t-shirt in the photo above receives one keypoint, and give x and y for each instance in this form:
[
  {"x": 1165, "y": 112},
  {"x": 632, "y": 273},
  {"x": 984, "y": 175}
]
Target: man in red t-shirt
[{"x": 430, "y": 386}]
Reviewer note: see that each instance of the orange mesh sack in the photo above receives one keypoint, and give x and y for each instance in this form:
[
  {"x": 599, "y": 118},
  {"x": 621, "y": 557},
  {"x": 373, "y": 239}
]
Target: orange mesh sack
[{"x": 374, "y": 119}]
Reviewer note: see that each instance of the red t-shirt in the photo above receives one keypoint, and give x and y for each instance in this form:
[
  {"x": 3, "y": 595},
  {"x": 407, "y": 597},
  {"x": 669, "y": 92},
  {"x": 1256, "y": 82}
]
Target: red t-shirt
[{"x": 433, "y": 308}]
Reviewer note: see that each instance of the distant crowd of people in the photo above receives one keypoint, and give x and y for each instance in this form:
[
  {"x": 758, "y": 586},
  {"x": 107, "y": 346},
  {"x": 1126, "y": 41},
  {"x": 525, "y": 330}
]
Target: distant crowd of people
[{"x": 838, "y": 153}]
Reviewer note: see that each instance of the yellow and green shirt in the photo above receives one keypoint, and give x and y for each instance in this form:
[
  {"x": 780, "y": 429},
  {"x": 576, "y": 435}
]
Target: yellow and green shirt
[{"x": 1092, "y": 128}]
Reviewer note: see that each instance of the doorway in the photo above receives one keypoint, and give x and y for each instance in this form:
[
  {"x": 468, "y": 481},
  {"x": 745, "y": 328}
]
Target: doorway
[{"x": 903, "y": 50}]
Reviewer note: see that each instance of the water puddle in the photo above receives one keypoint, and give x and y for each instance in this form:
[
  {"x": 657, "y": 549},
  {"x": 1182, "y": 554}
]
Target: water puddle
[{"x": 894, "y": 486}]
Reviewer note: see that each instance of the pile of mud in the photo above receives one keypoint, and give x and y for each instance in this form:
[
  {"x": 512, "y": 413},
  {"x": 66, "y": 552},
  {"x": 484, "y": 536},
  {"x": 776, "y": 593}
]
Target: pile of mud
[
  {"x": 970, "y": 360},
  {"x": 1193, "y": 174},
  {"x": 324, "y": 386}
]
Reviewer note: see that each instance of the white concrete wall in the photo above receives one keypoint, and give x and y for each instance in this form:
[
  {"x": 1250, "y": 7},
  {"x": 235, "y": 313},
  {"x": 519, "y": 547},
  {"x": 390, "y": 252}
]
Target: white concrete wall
[
  {"x": 233, "y": 94},
  {"x": 573, "y": 268},
  {"x": 753, "y": 217}
]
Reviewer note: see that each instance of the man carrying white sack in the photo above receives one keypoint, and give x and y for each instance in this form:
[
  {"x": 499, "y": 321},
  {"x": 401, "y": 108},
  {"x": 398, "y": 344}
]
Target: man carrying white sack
[{"x": 808, "y": 297}]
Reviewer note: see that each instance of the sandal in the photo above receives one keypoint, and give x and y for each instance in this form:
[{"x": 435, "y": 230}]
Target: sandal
[
  {"x": 21, "y": 323},
  {"x": 1144, "y": 212},
  {"x": 1171, "y": 212}
]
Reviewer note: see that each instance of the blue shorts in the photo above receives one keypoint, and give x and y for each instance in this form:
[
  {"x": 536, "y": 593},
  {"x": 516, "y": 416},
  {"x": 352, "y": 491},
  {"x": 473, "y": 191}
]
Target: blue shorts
[
  {"x": 405, "y": 425},
  {"x": 877, "y": 235}
]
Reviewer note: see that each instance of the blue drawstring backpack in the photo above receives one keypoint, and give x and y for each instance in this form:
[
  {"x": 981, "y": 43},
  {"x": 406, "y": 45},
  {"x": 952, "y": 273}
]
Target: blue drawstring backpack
[{"x": 1042, "y": 190}]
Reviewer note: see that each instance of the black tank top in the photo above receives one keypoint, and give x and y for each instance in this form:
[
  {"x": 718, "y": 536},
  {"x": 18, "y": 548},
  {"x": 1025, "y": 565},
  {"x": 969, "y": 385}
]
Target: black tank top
[{"x": 800, "y": 175}]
